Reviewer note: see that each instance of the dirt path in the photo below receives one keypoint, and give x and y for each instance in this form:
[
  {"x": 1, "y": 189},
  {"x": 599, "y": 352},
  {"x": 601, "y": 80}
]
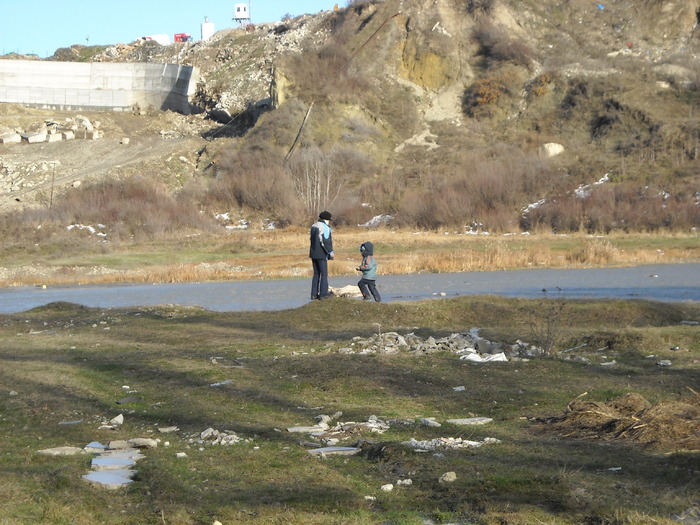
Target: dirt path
[{"x": 128, "y": 144}]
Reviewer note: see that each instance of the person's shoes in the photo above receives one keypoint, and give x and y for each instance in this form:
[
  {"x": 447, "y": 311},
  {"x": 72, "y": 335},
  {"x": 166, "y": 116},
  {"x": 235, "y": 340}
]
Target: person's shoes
[
  {"x": 325, "y": 296},
  {"x": 365, "y": 298},
  {"x": 377, "y": 300}
]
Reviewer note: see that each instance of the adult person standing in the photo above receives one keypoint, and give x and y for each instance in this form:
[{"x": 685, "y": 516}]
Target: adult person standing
[{"x": 320, "y": 252}]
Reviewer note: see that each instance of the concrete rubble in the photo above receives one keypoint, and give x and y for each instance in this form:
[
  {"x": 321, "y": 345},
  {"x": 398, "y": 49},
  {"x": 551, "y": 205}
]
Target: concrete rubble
[
  {"x": 469, "y": 346},
  {"x": 14, "y": 176},
  {"x": 112, "y": 466},
  {"x": 446, "y": 443},
  {"x": 328, "y": 438}
]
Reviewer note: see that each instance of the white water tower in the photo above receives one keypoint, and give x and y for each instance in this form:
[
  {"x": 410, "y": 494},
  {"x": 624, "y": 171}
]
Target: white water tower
[
  {"x": 207, "y": 28},
  {"x": 241, "y": 14}
]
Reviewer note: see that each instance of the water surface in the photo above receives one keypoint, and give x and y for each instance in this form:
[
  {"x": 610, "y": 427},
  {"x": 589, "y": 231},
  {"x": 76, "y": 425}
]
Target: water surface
[{"x": 668, "y": 283}]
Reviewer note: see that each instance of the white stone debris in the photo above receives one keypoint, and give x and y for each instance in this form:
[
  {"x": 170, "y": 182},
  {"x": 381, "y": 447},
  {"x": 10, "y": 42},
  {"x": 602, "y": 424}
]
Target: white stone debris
[
  {"x": 470, "y": 421},
  {"x": 222, "y": 383},
  {"x": 448, "y": 443},
  {"x": 469, "y": 346},
  {"x": 448, "y": 477},
  {"x": 211, "y": 436},
  {"x": 338, "y": 451},
  {"x": 62, "y": 451}
]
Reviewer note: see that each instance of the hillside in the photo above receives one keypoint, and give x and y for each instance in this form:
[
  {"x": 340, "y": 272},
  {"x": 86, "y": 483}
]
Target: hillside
[{"x": 496, "y": 115}]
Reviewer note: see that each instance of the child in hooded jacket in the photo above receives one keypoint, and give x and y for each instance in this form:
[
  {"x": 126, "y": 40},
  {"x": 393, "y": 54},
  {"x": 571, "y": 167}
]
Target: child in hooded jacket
[{"x": 368, "y": 267}]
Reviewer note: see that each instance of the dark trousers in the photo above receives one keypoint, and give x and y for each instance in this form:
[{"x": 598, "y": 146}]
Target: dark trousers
[
  {"x": 367, "y": 287},
  {"x": 319, "y": 283}
]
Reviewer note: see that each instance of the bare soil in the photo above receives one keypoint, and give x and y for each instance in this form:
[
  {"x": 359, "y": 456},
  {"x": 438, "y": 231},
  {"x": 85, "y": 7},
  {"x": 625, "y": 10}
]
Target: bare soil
[{"x": 159, "y": 145}]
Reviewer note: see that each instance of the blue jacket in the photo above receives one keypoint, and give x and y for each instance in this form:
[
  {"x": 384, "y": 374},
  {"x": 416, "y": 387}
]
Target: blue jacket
[{"x": 321, "y": 241}]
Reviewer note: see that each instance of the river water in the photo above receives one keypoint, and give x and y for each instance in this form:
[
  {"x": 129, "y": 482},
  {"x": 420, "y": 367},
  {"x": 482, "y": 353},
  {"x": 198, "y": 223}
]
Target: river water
[{"x": 667, "y": 283}]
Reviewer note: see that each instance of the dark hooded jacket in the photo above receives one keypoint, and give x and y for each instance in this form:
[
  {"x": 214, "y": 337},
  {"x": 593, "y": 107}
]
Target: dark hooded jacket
[
  {"x": 369, "y": 264},
  {"x": 321, "y": 241}
]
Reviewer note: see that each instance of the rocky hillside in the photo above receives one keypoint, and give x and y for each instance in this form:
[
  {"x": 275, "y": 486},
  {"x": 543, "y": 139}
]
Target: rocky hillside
[{"x": 480, "y": 114}]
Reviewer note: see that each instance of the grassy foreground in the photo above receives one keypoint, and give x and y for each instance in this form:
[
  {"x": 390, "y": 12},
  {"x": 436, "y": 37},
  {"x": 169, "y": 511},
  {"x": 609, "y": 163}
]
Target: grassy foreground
[{"x": 275, "y": 370}]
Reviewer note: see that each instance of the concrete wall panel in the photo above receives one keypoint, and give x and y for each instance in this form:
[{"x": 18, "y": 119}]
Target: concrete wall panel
[{"x": 98, "y": 85}]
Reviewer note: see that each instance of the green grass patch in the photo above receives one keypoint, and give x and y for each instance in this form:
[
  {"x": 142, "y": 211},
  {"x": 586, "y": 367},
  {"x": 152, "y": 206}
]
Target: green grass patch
[{"x": 258, "y": 374}]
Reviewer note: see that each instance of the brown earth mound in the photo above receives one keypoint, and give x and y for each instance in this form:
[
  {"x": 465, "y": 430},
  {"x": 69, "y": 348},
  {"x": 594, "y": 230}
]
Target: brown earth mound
[{"x": 669, "y": 425}]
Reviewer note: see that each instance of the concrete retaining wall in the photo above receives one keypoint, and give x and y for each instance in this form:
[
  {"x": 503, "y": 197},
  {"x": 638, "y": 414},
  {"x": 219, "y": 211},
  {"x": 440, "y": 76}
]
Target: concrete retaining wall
[{"x": 97, "y": 86}]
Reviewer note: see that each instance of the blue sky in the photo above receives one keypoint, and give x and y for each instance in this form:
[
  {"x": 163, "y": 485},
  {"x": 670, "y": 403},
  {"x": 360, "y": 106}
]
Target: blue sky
[{"x": 42, "y": 26}]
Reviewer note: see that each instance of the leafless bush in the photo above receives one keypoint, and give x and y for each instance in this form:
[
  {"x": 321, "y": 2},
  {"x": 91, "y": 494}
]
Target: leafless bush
[
  {"x": 253, "y": 181},
  {"x": 398, "y": 110},
  {"x": 621, "y": 207},
  {"x": 319, "y": 177},
  {"x": 323, "y": 74},
  {"x": 483, "y": 6},
  {"x": 496, "y": 45},
  {"x": 487, "y": 95},
  {"x": 545, "y": 320},
  {"x": 275, "y": 131},
  {"x": 457, "y": 201},
  {"x": 134, "y": 208},
  {"x": 541, "y": 84},
  {"x": 359, "y": 130}
]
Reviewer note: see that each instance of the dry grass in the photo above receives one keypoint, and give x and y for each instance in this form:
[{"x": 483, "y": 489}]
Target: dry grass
[{"x": 282, "y": 254}]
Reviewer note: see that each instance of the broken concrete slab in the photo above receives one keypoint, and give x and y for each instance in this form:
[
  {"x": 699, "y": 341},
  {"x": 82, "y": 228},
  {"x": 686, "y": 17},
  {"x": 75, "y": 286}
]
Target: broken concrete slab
[
  {"x": 143, "y": 443},
  {"x": 33, "y": 137},
  {"x": 470, "y": 421},
  {"x": 308, "y": 430},
  {"x": 111, "y": 463},
  {"x": 10, "y": 138},
  {"x": 110, "y": 479},
  {"x": 342, "y": 451},
  {"x": 95, "y": 447},
  {"x": 62, "y": 451}
]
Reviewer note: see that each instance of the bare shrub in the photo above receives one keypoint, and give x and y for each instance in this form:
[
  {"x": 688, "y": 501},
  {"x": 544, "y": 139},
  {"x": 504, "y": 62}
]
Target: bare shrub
[
  {"x": 483, "y": 6},
  {"x": 348, "y": 209},
  {"x": 275, "y": 131},
  {"x": 134, "y": 208},
  {"x": 359, "y": 130},
  {"x": 253, "y": 181},
  {"x": 417, "y": 208},
  {"x": 496, "y": 45},
  {"x": 557, "y": 215},
  {"x": 545, "y": 321},
  {"x": 351, "y": 162},
  {"x": 316, "y": 180},
  {"x": 457, "y": 201},
  {"x": 323, "y": 74},
  {"x": 487, "y": 95},
  {"x": 619, "y": 207},
  {"x": 398, "y": 111},
  {"x": 541, "y": 84}
]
